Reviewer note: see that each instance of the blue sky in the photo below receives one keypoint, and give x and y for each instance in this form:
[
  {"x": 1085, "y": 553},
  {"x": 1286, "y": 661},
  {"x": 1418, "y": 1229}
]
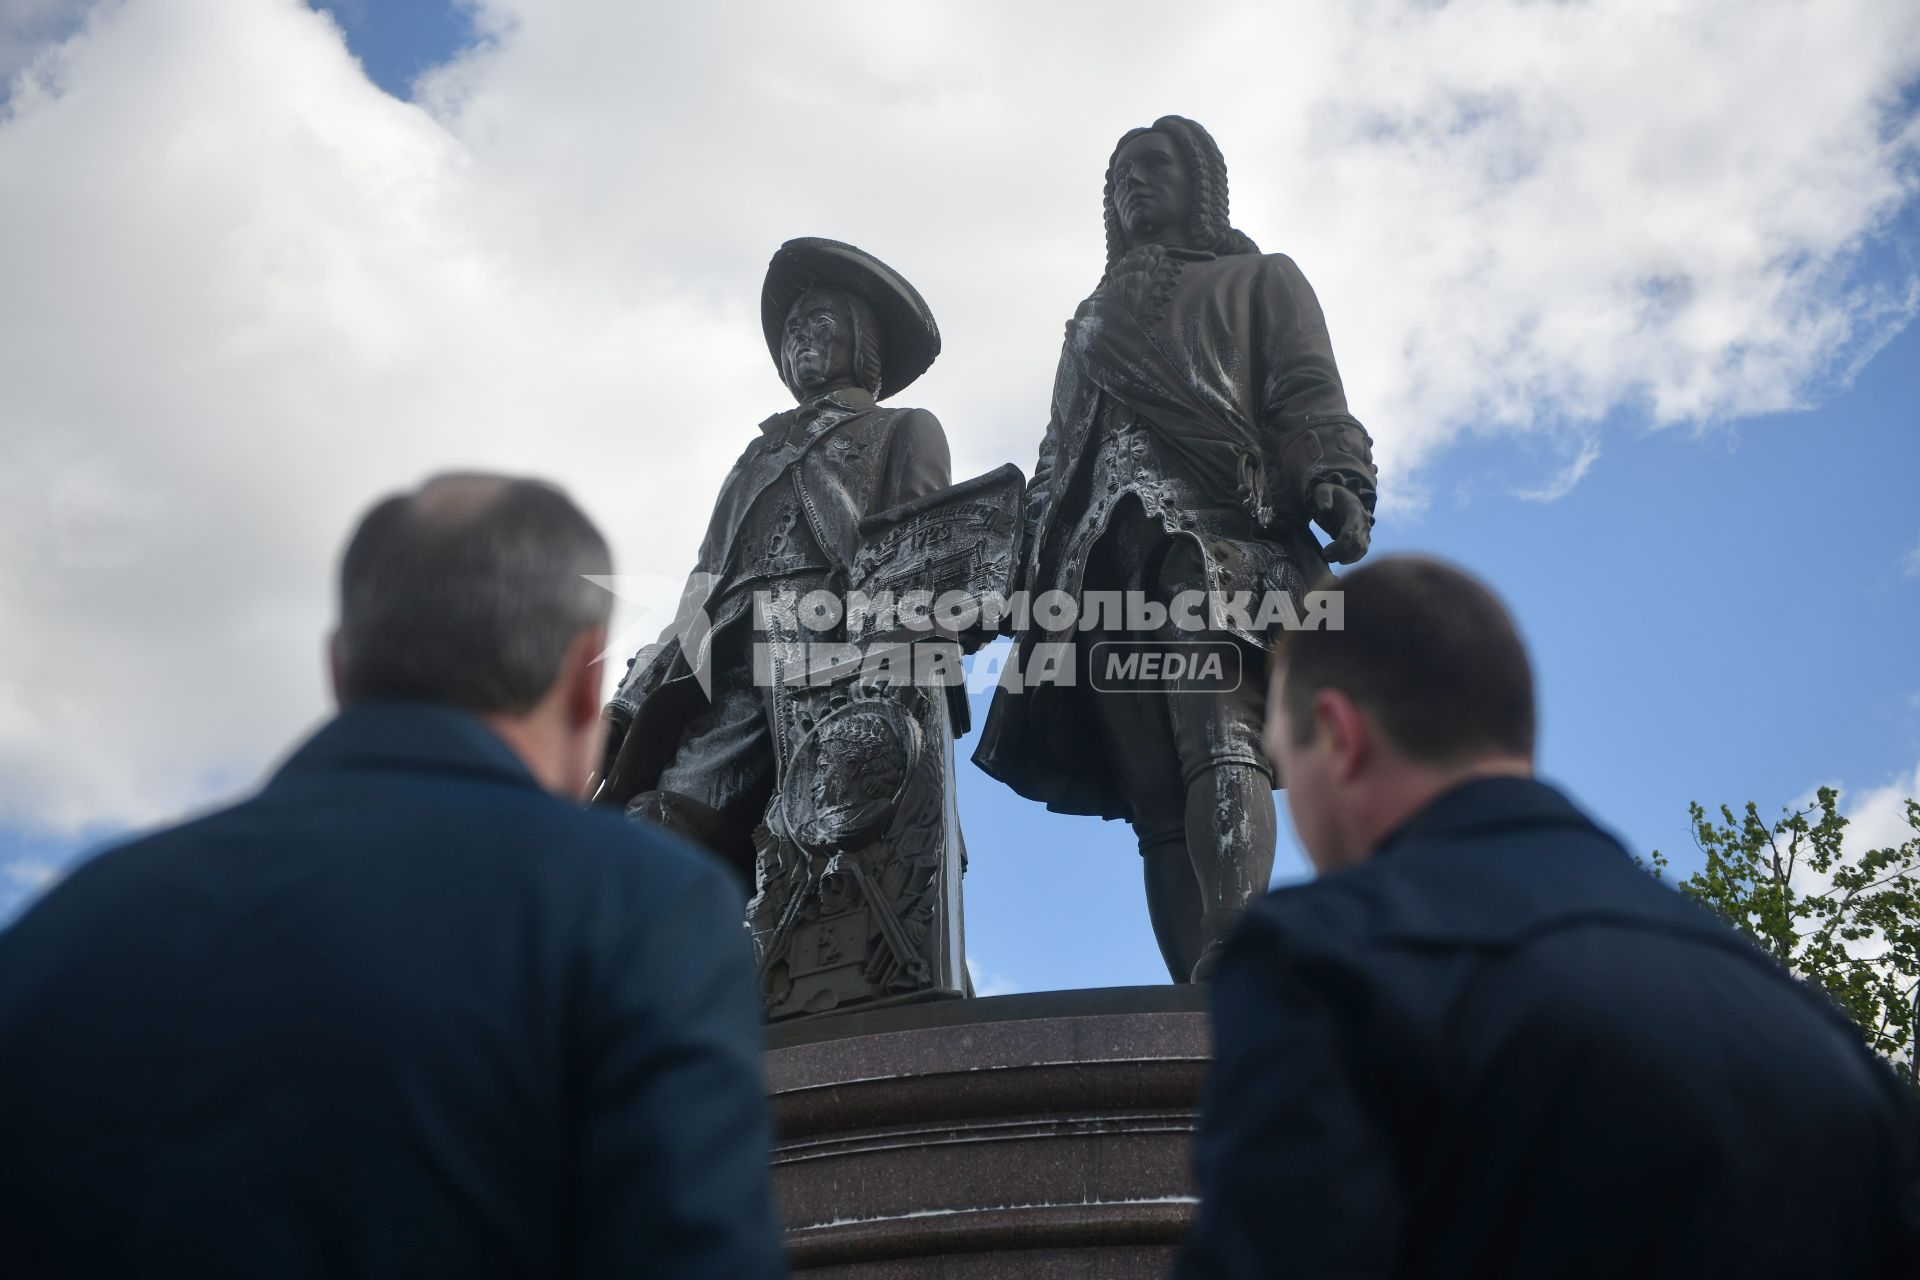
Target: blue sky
[
  {"x": 1723, "y": 606},
  {"x": 397, "y": 40}
]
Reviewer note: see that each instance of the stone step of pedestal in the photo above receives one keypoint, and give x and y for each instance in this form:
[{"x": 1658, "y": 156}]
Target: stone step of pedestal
[{"x": 1032, "y": 1135}]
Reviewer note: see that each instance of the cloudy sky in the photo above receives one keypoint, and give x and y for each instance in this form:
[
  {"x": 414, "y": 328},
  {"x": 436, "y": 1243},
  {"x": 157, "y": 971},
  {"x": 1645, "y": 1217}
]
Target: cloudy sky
[{"x": 1624, "y": 291}]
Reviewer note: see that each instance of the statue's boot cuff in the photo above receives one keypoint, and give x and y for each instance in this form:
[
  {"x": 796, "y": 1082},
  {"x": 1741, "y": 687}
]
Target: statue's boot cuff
[{"x": 1215, "y": 928}]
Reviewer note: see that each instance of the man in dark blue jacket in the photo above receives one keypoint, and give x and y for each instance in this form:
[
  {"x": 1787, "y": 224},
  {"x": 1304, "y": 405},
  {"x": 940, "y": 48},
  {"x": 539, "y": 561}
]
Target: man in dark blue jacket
[
  {"x": 1483, "y": 1043},
  {"x": 411, "y": 1010}
]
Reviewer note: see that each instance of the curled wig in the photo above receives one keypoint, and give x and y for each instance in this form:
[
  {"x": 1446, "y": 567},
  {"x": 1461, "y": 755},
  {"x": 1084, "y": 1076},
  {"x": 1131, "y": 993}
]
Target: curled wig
[{"x": 1207, "y": 225}]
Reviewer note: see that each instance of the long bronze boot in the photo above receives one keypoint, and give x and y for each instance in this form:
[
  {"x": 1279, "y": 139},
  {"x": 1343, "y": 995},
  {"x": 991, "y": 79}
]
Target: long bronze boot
[{"x": 1231, "y": 828}]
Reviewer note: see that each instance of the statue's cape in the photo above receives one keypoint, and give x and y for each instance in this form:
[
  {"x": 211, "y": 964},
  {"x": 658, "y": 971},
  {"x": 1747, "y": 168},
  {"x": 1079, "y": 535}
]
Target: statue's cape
[{"x": 1220, "y": 448}]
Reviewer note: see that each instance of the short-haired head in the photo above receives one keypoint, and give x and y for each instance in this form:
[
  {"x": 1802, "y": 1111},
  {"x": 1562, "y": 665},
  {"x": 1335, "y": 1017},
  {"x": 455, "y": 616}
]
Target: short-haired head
[
  {"x": 1428, "y": 652},
  {"x": 1208, "y": 226},
  {"x": 469, "y": 592},
  {"x": 1423, "y": 687}
]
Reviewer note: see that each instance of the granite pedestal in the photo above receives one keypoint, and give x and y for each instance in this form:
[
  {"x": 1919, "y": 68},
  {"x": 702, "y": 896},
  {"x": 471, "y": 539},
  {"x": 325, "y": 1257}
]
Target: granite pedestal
[{"x": 1038, "y": 1135}]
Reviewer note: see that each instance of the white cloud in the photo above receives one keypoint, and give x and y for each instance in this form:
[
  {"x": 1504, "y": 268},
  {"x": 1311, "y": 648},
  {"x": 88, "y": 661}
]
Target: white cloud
[
  {"x": 247, "y": 292},
  {"x": 30, "y": 873},
  {"x": 26, "y": 26},
  {"x": 988, "y": 983},
  {"x": 1910, "y": 563},
  {"x": 1877, "y": 816},
  {"x": 1568, "y": 476},
  {"x": 22, "y": 881},
  {"x": 1876, "y": 819}
]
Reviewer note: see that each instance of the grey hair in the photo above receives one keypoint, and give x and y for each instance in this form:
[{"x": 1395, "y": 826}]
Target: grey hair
[{"x": 468, "y": 592}]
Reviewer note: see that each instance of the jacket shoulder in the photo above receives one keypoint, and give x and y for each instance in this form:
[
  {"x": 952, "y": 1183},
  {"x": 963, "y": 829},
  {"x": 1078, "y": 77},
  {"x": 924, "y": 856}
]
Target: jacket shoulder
[
  {"x": 596, "y": 840},
  {"x": 1280, "y": 273},
  {"x": 891, "y": 418},
  {"x": 1486, "y": 890},
  {"x": 918, "y": 457},
  {"x": 919, "y": 428},
  {"x": 546, "y": 838},
  {"x": 1328, "y": 915},
  {"x": 1264, "y": 265}
]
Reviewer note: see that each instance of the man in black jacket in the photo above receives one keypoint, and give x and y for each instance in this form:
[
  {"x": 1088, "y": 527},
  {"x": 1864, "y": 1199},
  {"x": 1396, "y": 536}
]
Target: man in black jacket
[
  {"x": 1484, "y": 1043},
  {"x": 411, "y": 1010}
]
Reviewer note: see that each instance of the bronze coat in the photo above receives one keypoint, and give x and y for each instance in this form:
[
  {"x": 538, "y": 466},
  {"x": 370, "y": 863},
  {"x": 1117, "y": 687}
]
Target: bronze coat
[
  {"x": 1221, "y": 371},
  {"x": 866, "y": 460}
]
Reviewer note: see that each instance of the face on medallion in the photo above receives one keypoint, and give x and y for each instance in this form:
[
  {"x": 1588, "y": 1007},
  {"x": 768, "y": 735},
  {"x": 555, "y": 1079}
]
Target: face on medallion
[
  {"x": 818, "y": 349},
  {"x": 1150, "y": 187}
]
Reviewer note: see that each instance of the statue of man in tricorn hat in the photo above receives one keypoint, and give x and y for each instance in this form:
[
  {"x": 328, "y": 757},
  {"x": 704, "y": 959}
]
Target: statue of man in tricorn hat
[
  {"x": 844, "y": 330},
  {"x": 1199, "y": 428},
  {"x": 833, "y": 799}
]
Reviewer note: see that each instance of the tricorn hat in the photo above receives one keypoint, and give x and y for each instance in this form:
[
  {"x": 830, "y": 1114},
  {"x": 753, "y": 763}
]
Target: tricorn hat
[{"x": 909, "y": 339}]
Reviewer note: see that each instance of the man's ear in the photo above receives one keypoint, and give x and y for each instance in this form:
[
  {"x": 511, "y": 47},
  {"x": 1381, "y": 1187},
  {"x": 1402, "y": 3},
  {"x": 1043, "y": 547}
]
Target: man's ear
[
  {"x": 1349, "y": 735},
  {"x": 584, "y": 674}
]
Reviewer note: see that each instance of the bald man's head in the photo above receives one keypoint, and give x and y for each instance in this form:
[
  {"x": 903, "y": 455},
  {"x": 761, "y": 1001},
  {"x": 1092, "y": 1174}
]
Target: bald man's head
[{"x": 467, "y": 592}]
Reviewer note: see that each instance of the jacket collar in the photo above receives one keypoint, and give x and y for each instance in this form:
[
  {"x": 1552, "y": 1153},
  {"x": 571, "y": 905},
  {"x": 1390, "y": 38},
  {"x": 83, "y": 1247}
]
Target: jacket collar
[
  {"x": 1485, "y": 805},
  {"x": 406, "y": 736},
  {"x": 847, "y": 400}
]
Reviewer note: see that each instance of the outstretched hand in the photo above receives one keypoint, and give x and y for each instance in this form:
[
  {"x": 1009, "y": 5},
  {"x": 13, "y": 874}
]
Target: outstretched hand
[{"x": 1339, "y": 511}]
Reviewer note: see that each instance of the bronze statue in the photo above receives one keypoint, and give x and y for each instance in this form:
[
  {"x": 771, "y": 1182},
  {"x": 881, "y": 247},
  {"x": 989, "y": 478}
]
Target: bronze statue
[
  {"x": 827, "y": 788},
  {"x": 1198, "y": 429}
]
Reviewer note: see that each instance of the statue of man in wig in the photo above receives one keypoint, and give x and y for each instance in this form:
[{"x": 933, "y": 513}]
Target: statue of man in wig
[{"x": 1199, "y": 430}]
